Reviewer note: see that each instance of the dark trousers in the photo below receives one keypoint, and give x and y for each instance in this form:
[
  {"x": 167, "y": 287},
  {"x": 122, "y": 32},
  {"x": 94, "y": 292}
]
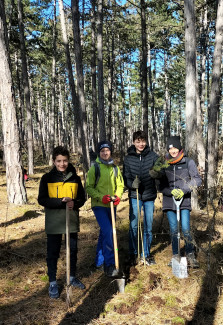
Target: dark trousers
[{"x": 53, "y": 253}]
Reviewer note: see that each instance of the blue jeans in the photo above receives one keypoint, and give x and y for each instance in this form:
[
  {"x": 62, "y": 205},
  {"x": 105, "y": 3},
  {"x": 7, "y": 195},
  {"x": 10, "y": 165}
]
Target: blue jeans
[
  {"x": 185, "y": 225},
  {"x": 105, "y": 246},
  {"x": 148, "y": 208}
]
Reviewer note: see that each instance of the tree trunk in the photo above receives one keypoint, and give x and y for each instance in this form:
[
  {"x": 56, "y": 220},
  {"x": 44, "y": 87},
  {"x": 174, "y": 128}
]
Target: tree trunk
[
  {"x": 93, "y": 76},
  {"x": 53, "y": 93},
  {"x": 190, "y": 85},
  {"x": 80, "y": 82},
  {"x": 75, "y": 102},
  {"x": 215, "y": 96},
  {"x": 14, "y": 171},
  {"x": 190, "y": 82},
  {"x": 144, "y": 68},
  {"x": 26, "y": 90},
  {"x": 101, "y": 113}
]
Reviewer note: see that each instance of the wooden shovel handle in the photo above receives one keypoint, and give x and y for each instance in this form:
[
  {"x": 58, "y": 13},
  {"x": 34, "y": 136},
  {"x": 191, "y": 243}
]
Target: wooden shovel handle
[{"x": 114, "y": 236}]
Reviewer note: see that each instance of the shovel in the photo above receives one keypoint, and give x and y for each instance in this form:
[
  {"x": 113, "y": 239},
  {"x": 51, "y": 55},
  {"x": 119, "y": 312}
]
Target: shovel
[
  {"x": 179, "y": 264},
  {"x": 68, "y": 287},
  {"x": 120, "y": 281},
  {"x": 140, "y": 227}
]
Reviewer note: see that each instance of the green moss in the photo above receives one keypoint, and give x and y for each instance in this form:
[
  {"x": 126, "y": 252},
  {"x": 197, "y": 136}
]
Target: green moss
[
  {"x": 170, "y": 301},
  {"x": 178, "y": 320},
  {"x": 44, "y": 278}
]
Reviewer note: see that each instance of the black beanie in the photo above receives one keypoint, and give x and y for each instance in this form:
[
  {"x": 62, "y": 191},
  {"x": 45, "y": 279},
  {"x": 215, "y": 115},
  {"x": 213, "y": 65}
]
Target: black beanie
[
  {"x": 104, "y": 144},
  {"x": 174, "y": 141}
]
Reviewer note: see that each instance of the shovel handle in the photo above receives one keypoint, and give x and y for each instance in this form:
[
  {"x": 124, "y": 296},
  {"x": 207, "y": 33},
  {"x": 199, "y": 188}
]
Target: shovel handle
[
  {"x": 114, "y": 235},
  {"x": 68, "y": 244}
]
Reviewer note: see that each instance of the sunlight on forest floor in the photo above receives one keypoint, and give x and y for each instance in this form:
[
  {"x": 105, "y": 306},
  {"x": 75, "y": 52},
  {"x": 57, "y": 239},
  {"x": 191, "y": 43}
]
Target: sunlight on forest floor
[{"x": 152, "y": 294}]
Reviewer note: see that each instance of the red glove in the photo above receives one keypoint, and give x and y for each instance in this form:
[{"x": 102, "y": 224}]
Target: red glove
[
  {"x": 106, "y": 199},
  {"x": 117, "y": 200}
]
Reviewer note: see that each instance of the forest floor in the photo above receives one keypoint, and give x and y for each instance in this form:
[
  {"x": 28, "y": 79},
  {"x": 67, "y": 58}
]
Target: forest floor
[{"x": 153, "y": 295}]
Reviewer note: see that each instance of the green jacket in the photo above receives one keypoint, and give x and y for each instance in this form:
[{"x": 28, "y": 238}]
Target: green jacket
[
  {"x": 107, "y": 184},
  {"x": 53, "y": 187}
]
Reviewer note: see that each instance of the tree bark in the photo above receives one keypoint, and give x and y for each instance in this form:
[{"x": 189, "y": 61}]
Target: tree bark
[
  {"x": 144, "y": 67},
  {"x": 190, "y": 81},
  {"x": 190, "y": 85},
  {"x": 26, "y": 90},
  {"x": 80, "y": 82},
  {"x": 16, "y": 191},
  {"x": 101, "y": 113},
  {"x": 75, "y": 102},
  {"x": 93, "y": 76},
  {"x": 215, "y": 96}
]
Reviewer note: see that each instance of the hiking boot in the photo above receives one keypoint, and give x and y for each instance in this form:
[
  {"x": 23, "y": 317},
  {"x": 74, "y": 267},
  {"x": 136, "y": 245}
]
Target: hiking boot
[
  {"x": 75, "y": 282},
  {"x": 149, "y": 260},
  {"x": 170, "y": 262},
  {"x": 192, "y": 262},
  {"x": 111, "y": 271},
  {"x": 53, "y": 290}
]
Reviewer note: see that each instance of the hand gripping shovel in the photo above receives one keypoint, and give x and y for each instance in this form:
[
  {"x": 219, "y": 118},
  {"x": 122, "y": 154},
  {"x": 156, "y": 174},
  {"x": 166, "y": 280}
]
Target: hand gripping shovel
[
  {"x": 68, "y": 287},
  {"x": 120, "y": 281},
  {"x": 179, "y": 264}
]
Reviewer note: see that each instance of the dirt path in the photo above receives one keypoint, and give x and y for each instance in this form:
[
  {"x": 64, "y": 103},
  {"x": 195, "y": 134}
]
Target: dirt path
[{"x": 152, "y": 294}]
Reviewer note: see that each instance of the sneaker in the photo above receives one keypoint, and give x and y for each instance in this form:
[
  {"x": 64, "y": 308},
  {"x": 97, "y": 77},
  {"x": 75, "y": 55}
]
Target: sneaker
[
  {"x": 149, "y": 261},
  {"x": 53, "y": 290},
  {"x": 170, "y": 263},
  {"x": 75, "y": 282},
  {"x": 111, "y": 271},
  {"x": 192, "y": 262}
]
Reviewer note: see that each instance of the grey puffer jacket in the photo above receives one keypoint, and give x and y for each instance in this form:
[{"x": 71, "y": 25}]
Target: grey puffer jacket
[
  {"x": 182, "y": 175},
  {"x": 140, "y": 164}
]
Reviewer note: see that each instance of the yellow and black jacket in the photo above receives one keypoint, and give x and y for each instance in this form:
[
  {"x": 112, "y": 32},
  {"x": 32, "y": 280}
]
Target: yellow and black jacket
[{"x": 53, "y": 187}]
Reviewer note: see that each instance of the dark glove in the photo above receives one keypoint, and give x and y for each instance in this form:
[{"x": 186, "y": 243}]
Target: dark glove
[
  {"x": 136, "y": 183},
  {"x": 117, "y": 200},
  {"x": 154, "y": 174},
  {"x": 106, "y": 199},
  {"x": 177, "y": 193}
]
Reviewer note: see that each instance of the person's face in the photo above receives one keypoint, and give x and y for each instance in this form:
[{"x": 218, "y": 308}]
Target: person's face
[
  {"x": 61, "y": 163},
  {"x": 140, "y": 145},
  {"x": 105, "y": 154},
  {"x": 173, "y": 152}
]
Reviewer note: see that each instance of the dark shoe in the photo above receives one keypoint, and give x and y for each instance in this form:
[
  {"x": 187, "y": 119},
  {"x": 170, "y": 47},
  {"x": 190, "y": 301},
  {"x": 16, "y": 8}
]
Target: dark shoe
[
  {"x": 149, "y": 261},
  {"x": 170, "y": 263},
  {"x": 53, "y": 290},
  {"x": 99, "y": 268},
  {"x": 111, "y": 271},
  {"x": 133, "y": 260},
  {"x": 75, "y": 282},
  {"x": 192, "y": 262}
]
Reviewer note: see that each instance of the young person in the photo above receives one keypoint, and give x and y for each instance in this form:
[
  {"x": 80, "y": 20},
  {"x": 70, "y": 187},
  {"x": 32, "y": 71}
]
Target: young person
[
  {"x": 139, "y": 160},
  {"x": 58, "y": 188},
  {"x": 181, "y": 177},
  {"x": 101, "y": 190}
]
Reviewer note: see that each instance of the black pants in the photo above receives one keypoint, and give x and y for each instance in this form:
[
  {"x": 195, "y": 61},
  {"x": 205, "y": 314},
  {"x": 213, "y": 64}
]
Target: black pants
[{"x": 53, "y": 253}]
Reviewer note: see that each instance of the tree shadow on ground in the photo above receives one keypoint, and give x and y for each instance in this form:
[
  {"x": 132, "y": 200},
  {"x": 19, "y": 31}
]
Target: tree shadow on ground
[
  {"x": 27, "y": 216},
  {"x": 205, "y": 309},
  {"x": 93, "y": 304}
]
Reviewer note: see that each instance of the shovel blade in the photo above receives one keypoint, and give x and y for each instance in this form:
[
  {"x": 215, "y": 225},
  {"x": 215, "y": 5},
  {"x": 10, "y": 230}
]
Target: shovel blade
[{"x": 179, "y": 267}]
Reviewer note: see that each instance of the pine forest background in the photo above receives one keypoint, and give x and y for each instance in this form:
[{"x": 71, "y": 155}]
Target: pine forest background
[{"x": 84, "y": 71}]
